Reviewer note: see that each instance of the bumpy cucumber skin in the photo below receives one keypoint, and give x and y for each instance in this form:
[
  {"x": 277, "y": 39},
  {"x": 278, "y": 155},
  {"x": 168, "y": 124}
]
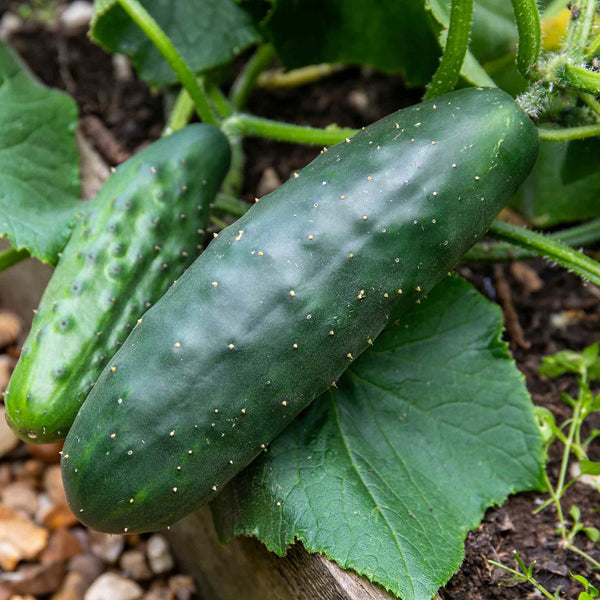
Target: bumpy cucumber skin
[
  {"x": 129, "y": 244},
  {"x": 284, "y": 300}
]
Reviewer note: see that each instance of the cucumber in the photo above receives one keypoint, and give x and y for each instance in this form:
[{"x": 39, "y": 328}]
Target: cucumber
[
  {"x": 141, "y": 232},
  {"x": 283, "y": 301}
]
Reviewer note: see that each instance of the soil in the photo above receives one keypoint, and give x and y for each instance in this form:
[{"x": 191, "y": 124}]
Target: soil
[{"x": 563, "y": 314}]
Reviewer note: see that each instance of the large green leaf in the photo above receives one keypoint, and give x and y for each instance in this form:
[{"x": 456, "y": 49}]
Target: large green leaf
[
  {"x": 386, "y": 474},
  {"x": 39, "y": 163},
  {"x": 207, "y": 33},
  {"x": 564, "y": 184},
  {"x": 391, "y": 35}
]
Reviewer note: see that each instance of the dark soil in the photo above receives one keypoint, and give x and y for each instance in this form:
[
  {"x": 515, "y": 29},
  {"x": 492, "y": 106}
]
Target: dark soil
[{"x": 354, "y": 97}]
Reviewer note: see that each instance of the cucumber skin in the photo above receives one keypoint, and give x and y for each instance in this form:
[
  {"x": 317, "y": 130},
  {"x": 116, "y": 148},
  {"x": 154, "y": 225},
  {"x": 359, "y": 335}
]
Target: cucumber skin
[
  {"x": 101, "y": 286},
  {"x": 191, "y": 403}
]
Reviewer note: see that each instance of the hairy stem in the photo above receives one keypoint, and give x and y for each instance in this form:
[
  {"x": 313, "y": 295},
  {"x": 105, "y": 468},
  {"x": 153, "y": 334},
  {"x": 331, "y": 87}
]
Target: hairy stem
[
  {"x": 164, "y": 45},
  {"x": 181, "y": 114},
  {"x": 248, "y": 125},
  {"x": 580, "y": 30},
  {"x": 580, "y": 235},
  {"x": 246, "y": 80},
  {"x": 547, "y": 248},
  {"x": 296, "y": 77},
  {"x": 569, "y": 133},
  {"x": 457, "y": 43},
  {"x": 529, "y": 26},
  {"x": 11, "y": 257},
  {"x": 580, "y": 79}
]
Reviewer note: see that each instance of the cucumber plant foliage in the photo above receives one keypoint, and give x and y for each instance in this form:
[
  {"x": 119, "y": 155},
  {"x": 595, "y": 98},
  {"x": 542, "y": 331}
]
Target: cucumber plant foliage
[
  {"x": 39, "y": 162},
  {"x": 315, "y": 375}
]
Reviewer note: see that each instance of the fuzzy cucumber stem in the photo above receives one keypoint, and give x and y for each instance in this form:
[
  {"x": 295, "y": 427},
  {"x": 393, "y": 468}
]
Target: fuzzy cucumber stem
[
  {"x": 249, "y": 125},
  {"x": 158, "y": 37},
  {"x": 11, "y": 257},
  {"x": 580, "y": 235},
  {"x": 529, "y": 26},
  {"x": 457, "y": 43},
  {"x": 569, "y": 133},
  {"x": 548, "y": 248}
]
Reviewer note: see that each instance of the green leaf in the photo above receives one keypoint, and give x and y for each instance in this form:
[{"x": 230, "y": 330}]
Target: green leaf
[
  {"x": 39, "y": 162},
  {"x": 564, "y": 184},
  {"x": 386, "y": 474},
  {"x": 589, "y": 467},
  {"x": 546, "y": 423},
  {"x": 394, "y": 36},
  {"x": 207, "y": 33},
  {"x": 566, "y": 361},
  {"x": 593, "y": 535}
]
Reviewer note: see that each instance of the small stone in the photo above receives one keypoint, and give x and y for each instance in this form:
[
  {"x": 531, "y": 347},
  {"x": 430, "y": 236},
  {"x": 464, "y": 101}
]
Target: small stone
[
  {"x": 87, "y": 566},
  {"x": 48, "y": 453},
  {"x": 8, "y": 440},
  {"x": 133, "y": 563},
  {"x": 53, "y": 485},
  {"x": 6, "y": 366},
  {"x": 10, "y": 24},
  {"x": 62, "y": 546},
  {"x": 269, "y": 181},
  {"x": 107, "y": 546},
  {"x": 37, "y": 580},
  {"x": 111, "y": 586},
  {"x": 20, "y": 497},
  {"x": 159, "y": 555},
  {"x": 54, "y": 516},
  {"x": 72, "y": 588},
  {"x": 77, "y": 17},
  {"x": 10, "y": 328},
  {"x": 19, "y": 539},
  {"x": 183, "y": 586},
  {"x": 122, "y": 68}
]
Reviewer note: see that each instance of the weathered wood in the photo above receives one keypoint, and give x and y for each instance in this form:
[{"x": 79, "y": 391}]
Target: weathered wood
[
  {"x": 245, "y": 569},
  {"x": 22, "y": 285}
]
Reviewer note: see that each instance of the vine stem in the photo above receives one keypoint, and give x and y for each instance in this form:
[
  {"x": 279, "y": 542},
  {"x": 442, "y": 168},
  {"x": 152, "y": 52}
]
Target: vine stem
[
  {"x": 459, "y": 31},
  {"x": 297, "y": 77},
  {"x": 569, "y": 133},
  {"x": 580, "y": 30},
  {"x": 574, "y": 236},
  {"x": 180, "y": 114},
  {"x": 529, "y": 27},
  {"x": 580, "y": 79},
  {"x": 11, "y": 257},
  {"x": 246, "y": 80},
  {"x": 164, "y": 45},
  {"x": 548, "y": 248},
  {"x": 249, "y": 125}
]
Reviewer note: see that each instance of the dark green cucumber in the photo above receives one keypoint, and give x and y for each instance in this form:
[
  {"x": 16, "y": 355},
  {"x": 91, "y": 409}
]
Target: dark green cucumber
[
  {"x": 283, "y": 301},
  {"x": 140, "y": 233}
]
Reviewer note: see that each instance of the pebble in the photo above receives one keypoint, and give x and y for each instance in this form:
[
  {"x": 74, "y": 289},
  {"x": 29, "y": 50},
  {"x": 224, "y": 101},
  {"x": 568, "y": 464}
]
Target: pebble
[
  {"x": 77, "y": 17},
  {"x": 19, "y": 539},
  {"x": 183, "y": 586},
  {"x": 269, "y": 181},
  {"x": 53, "y": 485},
  {"x": 133, "y": 563},
  {"x": 10, "y": 328},
  {"x": 107, "y": 546},
  {"x": 8, "y": 440},
  {"x": 20, "y": 497},
  {"x": 62, "y": 546},
  {"x": 159, "y": 555},
  {"x": 111, "y": 586},
  {"x": 6, "y": 366},
  {"x": 87, "y": 566},
  {"x": 72, "y": 588},
  {"x": 37, "y": 580},
  {"x": 9, "y": 25}
]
